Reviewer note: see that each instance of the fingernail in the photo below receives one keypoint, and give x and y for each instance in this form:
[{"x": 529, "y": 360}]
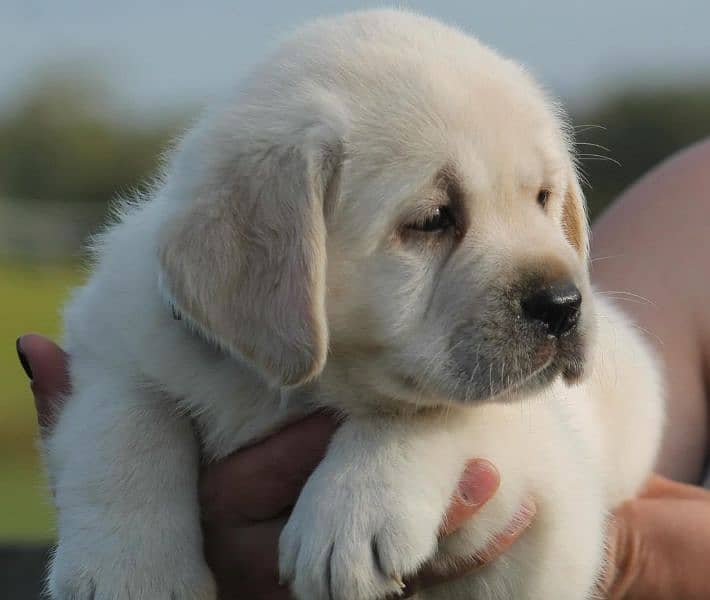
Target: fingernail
[
  {"x": 23, "y": 359},
  {"x": 478, "y": 483}
]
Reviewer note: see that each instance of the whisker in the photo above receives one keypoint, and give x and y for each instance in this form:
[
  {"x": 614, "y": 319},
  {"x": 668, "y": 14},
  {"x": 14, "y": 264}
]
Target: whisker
[
  {"x": 599, "y": 157},
  {"x": 597, "y": 258},
  {"x": 583, "y": 178},
  {"x": 593, "y": 145},
  {"x": 648, "y": 333},
  {"x": 631, "y": 300},
  {"x": 588, "y": 126},
  {"x": 632, "y": 294}
]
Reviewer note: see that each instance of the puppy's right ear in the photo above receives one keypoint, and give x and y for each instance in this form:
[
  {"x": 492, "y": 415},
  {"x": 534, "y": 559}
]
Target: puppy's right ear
[
  {"x": 245, "y": 261},
  {"x": 575, "y": 223}
]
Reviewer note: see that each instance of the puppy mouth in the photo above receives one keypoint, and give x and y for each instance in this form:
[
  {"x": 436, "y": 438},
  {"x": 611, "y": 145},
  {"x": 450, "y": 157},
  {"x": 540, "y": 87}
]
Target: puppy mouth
[
  {"x": 491, "y": 359},
  {"x": 524, "y": 367},
  {"x": 557, "y": 357},
  {"x": 544, "y": 354}
]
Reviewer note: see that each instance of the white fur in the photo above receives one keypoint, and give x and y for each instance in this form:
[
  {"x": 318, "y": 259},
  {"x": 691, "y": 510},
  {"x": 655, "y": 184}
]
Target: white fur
[{"x": 343, "y": 130}]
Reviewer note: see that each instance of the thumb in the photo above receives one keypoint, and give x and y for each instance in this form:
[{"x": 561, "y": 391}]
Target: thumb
[
  {"x": 633, "y": 571},
  {"x": 622, "y": 553}
]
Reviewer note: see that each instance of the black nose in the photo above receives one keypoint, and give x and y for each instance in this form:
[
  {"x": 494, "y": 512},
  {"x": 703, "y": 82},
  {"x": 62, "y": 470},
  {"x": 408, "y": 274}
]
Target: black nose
[{"x": 556, "y": 306}]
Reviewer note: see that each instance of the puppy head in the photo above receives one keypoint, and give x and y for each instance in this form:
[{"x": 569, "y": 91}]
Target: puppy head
[{"x": 445, "y": 184}]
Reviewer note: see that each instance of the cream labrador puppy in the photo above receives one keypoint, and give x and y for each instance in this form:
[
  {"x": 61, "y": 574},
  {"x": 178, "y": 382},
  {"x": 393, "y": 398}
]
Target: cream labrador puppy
[{"x": 385, "y": 220}]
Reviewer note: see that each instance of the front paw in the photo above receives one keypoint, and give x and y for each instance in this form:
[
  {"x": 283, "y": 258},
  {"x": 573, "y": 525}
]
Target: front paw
[
  {"x": 347, "y": 546},
  {"x": 100, "y": 572}
]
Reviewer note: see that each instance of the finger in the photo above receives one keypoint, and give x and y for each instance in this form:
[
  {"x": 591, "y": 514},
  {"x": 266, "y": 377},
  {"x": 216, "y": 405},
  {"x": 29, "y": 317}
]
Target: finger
[
  {"x": 628, "y": 552},
  {"x": 478, "y": 484},
  {"x": 629, "y": 557},
  {"x": 263, "y": 480},
  {"x": 659, "y": 549},
  {"x": 660, "y": 487},
  {"x": 244, "y": 560},
  {"x": 46, "y": 365},
  {"x": 610, "y": 582},
  {"x": 438, "y": 572}
]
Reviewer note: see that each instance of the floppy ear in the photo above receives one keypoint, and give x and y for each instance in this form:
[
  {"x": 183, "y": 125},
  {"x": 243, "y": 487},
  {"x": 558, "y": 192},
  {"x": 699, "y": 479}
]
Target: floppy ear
[
  {"x": 574, "y": 216},
  {"x": 245, "y": 262}
]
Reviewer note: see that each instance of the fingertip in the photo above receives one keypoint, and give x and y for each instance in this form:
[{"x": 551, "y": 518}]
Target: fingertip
[
  {"x": 35, "y": 346},
  {"x": 41, "y": 405},
  {"x": 478, "y": 484},
  {"x": 46, "y": 361},
  {"x": 45, "y": 364},
  {"x": 23, "y": 358}
]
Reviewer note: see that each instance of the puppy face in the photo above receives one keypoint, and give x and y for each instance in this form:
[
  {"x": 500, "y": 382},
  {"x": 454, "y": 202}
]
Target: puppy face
[
  {"x": 440, "y": 246},
  {"x": 405, "y": 202}
]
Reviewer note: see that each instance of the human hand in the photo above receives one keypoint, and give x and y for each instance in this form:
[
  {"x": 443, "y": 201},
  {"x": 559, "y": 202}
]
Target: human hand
[
  {"x": 659, "y": 544},
  {"x": 246, "y": 498}
]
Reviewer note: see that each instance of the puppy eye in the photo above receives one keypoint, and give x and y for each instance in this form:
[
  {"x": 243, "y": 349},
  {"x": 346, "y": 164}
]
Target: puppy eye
[
  {"x": 542, "y": 197},
  {"x": 439, "y": 219}
]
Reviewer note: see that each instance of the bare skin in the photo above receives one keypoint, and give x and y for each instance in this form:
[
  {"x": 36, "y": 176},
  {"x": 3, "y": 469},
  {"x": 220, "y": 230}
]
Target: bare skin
[
  {"x": 660, "y": 543},
  {"x": 655, "y": 243}
]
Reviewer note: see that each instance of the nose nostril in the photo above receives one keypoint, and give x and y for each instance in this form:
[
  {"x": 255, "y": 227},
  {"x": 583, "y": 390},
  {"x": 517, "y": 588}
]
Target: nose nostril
[{"x": 555, "y": 306}]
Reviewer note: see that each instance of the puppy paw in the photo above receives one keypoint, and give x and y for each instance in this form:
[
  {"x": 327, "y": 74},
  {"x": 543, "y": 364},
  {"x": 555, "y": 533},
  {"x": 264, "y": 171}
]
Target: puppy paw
[
  {"x": 345, "y": 545},
  {"x": 88, "y": 573}
]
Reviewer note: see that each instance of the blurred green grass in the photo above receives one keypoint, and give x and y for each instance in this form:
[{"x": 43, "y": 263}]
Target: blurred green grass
[{"x": 31, "y": 296}]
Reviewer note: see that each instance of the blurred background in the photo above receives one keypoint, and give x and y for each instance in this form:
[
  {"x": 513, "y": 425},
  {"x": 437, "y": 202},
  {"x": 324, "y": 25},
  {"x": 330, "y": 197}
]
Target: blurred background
[{"x": 91, "y": 93}]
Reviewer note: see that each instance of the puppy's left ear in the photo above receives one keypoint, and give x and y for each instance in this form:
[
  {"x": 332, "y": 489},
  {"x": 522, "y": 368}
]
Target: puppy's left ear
[{"x": 574, "y": 216}]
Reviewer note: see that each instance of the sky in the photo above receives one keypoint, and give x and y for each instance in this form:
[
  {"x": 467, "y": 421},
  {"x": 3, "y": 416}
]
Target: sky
[{"x": 163, "y": 54}]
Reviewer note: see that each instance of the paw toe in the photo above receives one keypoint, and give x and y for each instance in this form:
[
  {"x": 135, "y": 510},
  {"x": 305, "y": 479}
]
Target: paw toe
[{"x": 398, "y": 553}]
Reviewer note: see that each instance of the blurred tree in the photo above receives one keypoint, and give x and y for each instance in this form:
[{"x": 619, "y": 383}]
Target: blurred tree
[
  {"x": 64, "y": 140},
  {"x": 633, "y": 130}
]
